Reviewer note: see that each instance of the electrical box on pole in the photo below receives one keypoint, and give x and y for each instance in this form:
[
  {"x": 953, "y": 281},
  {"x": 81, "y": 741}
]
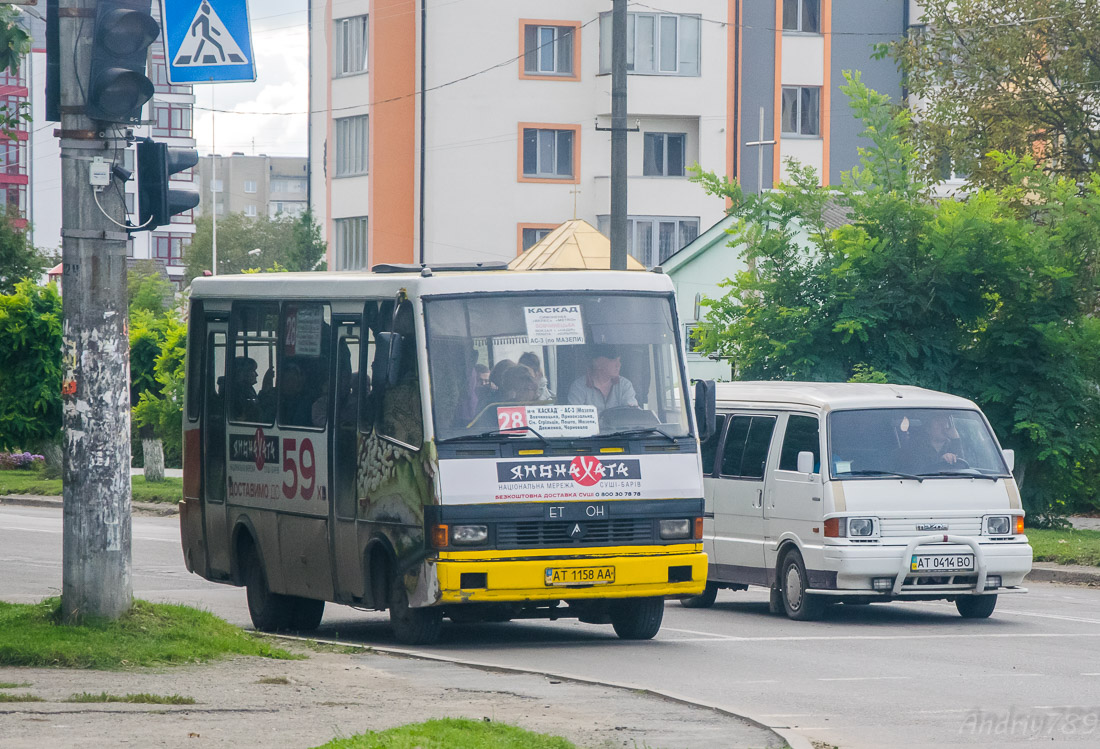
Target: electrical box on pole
[
  {"x": 117, "y": 85},
  {"x": 157, "y": 201}
]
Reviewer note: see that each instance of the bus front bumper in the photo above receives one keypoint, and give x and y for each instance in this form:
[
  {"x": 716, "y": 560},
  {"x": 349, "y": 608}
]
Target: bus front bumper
[{"x": 559, "y": 574}]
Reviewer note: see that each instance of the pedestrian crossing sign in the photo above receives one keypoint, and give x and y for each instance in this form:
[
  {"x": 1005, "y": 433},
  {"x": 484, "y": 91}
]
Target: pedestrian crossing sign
[{"x": 207, "y": 41}]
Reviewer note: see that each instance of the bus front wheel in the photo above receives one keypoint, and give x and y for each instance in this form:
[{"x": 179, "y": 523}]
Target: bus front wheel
[
  {"x": 638, "y": 618},
  {"x": 411, "y": 626},
  {"x": 702, "y": 601}
]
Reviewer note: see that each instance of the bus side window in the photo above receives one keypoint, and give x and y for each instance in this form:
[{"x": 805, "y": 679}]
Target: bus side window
[
  {"x": 304, "y": 367},
  {"x": 252, "y": 369},
  {"x": 401, "y": 415}
]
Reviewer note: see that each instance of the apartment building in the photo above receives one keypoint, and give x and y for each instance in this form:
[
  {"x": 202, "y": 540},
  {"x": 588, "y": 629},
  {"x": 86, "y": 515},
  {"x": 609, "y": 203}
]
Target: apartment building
[
  {"x": 445, "y": 131},
  {"x": 253, "y": 185}
]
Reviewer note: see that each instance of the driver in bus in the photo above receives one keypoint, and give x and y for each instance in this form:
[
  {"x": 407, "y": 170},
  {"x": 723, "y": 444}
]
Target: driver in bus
[{"x": 602, "y": 386}]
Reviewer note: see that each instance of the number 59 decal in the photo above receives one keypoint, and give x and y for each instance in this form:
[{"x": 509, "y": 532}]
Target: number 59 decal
[{"x": 305, "y": 466}]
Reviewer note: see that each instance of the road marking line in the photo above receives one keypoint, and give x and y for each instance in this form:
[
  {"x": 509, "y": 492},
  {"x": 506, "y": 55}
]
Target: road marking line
[
  {"x": 1049, "y": 616},
  {"x": 848, "y": 638},
  {"x": 1096, "y": 674},
  {"x": 862, "y": 678}
]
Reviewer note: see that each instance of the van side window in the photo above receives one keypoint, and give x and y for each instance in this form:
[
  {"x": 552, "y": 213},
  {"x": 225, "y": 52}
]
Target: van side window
[
  {"x": 709, "y": 447},
  {"x": 801, "y": 436},
  {"x": 746, "y": 449}
]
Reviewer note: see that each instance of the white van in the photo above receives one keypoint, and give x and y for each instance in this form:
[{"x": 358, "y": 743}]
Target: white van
[{"x": 914, "y": 499}]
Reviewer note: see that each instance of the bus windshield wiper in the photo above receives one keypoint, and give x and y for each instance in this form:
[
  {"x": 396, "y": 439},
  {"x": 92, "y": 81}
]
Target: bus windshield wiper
[
  {"x": 960, "y": 475},
  {"x": 639, "y": 431},
  {"x": 873, "y": 472},
  {"x": 499, "y": 433}
]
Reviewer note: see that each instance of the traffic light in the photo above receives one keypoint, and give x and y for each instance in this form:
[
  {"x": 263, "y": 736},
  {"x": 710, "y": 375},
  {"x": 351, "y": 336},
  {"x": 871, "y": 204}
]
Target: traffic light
[
  {"x": 157, "y": 202},
  {"x": 117, "y": 86}
]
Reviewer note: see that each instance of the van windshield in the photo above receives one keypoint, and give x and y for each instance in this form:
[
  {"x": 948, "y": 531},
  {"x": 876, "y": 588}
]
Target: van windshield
[
  {"x": 920, "y": 442},
  {"x": 565, "y": 365}
]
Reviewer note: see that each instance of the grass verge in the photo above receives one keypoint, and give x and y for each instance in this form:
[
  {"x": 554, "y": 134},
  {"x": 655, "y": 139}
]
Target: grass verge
[
  {"x": 150, "y": 634},
  {"x": 1070, "y": 546},
  {"x": 30, "y": 482},
  {"x": 20, "y": 698},
  {"x": 135, "y": 699},
  {"x": 451, "y": 732},
  {"x": 14, "y": 684}
]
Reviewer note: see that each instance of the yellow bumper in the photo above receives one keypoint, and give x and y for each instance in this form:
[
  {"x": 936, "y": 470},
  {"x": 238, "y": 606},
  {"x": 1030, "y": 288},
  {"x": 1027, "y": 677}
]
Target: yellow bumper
[{"x": 516, "y": 576}]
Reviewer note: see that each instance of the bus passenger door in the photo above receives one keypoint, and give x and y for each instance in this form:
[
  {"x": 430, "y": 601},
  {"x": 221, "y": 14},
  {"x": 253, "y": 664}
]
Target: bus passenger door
[
  {"x": 213, "y": 451},
  {"x": 344, "y": 404}
]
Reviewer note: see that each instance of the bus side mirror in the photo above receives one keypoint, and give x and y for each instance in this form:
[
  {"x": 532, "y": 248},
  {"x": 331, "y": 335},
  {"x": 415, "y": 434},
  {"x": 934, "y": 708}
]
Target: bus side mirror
[
  {"x": 1010, "y": 459},
  {"x": 805, "y": 462},
  {"x": 705, "y": 408},
  {"x": 386, "y": 369}
]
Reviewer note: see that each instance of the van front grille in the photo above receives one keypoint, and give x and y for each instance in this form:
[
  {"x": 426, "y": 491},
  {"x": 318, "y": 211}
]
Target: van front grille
[{"x": 534, "y": 534}]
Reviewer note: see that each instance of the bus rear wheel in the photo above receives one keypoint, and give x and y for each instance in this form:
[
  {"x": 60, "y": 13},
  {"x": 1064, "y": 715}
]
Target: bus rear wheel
[
  {"x": 420, "y": 626},
  {"x": 637, "y": 618},
  {"x": 274, "y": 612}
]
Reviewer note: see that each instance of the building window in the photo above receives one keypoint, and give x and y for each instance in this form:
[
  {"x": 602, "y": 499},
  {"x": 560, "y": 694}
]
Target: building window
[
  {"x": 693, "y": 338},
  {"x": 215, "y": 185},
  {"x": 350, "y": 249},
  {"x": 351, "y": 46},
  {"x": 664, "y": 154},
  {"x": 250, "y": 185},
  {"x": 656, "y": 44},
  {"x": 172, "y": 121},
  {"x": 532, "y": 236},
  {"x": 351, "y": 145},
  {"x": 187, "y": 217},
  {"x": 129, "y": 202},
  {"x": 548, "y": 153},
  {"x": 168, "y": 248},
  {"x": 159, "y": 76},
  {"x": 801, "y": 110},
  {"x": 250, "y": 211},
  {"x": 802, "y": 15},
  {"x": 549, "y": 50},
  {"x": 653, "y": 239}
]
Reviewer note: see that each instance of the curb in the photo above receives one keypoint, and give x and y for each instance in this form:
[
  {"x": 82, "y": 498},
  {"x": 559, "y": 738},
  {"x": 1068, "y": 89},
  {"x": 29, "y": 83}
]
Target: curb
[
  {"x": 793, "y": 739},
  {"x": 33, "y": 500},
  {"x": 1066, "y": 574}
]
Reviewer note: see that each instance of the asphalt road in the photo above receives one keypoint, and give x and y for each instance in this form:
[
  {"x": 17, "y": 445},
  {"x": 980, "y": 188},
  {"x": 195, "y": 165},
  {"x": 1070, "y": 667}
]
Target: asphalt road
[{"x": 899, "y": 675}]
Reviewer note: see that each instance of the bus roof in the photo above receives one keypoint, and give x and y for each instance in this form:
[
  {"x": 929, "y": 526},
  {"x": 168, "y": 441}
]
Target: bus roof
[
  {"x": 348, "y": 284},
  {"x": 832, "y": 396}
]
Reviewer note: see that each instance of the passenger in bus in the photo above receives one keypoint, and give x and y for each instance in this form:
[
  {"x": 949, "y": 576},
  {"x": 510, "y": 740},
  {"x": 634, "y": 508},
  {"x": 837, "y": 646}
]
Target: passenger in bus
[
  {"x": 491, "y": 394},
  {"x": 295, "y": 402},
  {"x": 602, "y": 386},
  {"x": 531, "y": 360},
  {"x": 244, "y": 406},
  {"x": 519, "y": 385}
]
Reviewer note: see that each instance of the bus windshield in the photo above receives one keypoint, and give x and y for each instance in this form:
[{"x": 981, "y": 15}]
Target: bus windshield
[
  {"x": 554, "y": 366},
  {"x": 917, "y": 442}
]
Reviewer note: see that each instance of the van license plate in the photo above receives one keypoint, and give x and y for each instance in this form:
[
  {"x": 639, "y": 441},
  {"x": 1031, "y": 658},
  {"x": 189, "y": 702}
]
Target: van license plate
[
  {"x": 579, "y": 575},
  {"x": 942, "y": 563}
]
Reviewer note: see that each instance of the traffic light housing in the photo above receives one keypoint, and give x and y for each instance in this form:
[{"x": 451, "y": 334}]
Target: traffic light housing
[
  {"x": 117, "y": 85},
  {"x": 157, "y": 202}
]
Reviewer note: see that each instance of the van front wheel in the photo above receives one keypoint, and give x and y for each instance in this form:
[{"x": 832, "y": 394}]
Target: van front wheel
[
  {"x": 976, "y": 607},
  {"x": 798, "y": 604}
]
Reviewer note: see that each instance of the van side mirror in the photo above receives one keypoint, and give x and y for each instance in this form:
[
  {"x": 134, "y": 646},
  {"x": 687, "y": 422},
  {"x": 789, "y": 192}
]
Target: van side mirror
[
  {"x": 705, "y": 408},
  {"x": 1010, "y": 459},
  {"x": 386, "y": 368},
  {"x": 805, "y": 462}
]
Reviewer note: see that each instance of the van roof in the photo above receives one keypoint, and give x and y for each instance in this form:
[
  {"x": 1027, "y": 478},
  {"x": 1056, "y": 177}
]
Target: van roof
[{"x": 832, "y": 396}]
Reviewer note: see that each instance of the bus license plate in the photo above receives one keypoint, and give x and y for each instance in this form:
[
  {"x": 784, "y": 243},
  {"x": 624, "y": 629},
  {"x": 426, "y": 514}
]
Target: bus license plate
[
  {"x": 579, "y": 575},
  {"x": 942, "y": 563}
]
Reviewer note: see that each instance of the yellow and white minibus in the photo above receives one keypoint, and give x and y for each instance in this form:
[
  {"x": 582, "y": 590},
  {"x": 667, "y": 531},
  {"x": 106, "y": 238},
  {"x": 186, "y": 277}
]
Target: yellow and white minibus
[{"x": 470, "y": 443}]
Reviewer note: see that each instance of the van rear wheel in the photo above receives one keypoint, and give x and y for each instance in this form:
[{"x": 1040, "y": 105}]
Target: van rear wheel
[
  {"x": 702, "y": 601},
  {"x": 976, "y": 607},
  {"x": 798, "y": 604},
  {"x": 637, "y": 618}
]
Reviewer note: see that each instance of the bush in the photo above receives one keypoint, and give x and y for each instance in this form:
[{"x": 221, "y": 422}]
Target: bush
[{"x": 23, "y": 461}]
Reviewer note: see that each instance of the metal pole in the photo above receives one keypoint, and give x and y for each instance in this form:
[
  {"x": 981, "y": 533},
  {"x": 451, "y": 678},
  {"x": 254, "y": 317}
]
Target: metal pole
[
  {"x": 618, "y": 135},
  {"x": 213, "y": 195},
  {"x": 760, "y": 157},
  {"x": 96, "y": 572}
]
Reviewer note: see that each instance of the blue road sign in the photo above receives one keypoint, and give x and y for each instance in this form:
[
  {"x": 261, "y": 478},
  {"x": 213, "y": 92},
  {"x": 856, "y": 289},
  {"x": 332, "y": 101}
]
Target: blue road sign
[{"x": 208, "y": 41}]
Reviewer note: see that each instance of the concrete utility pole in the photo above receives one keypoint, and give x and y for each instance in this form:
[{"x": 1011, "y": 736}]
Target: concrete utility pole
[
  {"x": 618, "y": 135},
  {"x": 96, "y": 577}
]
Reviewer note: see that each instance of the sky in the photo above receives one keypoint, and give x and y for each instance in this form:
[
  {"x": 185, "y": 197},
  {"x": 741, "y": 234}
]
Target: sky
[{"x": 281, "y": 47}]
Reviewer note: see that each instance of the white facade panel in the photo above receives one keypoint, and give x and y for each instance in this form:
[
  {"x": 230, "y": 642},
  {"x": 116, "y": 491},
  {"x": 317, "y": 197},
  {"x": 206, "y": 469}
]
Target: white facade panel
[
  {"x": 803, "y": 60},
  {"x": 806, "y": 151}
]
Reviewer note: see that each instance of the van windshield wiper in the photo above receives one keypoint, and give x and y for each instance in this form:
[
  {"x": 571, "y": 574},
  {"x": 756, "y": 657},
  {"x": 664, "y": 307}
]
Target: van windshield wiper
[
  {"x": 639, "y": 431},
  {"x": 872, "y": 472},
  {"x": 960, "y": 475},
  {"x": 509, "y": 432}
]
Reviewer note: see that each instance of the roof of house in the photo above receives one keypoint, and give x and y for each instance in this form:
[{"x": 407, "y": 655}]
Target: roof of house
[{"x": 575, "y": 245}]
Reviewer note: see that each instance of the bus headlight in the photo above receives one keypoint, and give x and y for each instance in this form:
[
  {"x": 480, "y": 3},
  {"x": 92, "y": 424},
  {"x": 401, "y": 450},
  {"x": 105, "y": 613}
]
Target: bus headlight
[
  {"x": 671, "y": 529},
  {"x": 998, "y": 525},
  {"x": 468, "y": 535},
  {"x": 860, "y": 527}
]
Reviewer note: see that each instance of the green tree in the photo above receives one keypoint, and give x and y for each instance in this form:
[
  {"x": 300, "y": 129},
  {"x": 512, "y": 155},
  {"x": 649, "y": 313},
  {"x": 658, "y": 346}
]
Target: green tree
[
  {"x": 15, "y": 43},
  {"x": 989, "y": 297},
  {"x": 147, "y": 288},
  {"x": 1006, "y": 75},
  {"x": 245, "y": 243},
  {"x": 161, "y": 408},
  {"x": 30, "y": 366},
  {"x": 18, "y": 258}
]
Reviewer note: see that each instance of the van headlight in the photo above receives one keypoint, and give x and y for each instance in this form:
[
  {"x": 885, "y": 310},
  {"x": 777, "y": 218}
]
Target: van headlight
[
  {"x": 671, "y": 529},
  {"x": 468, "y": 535},
  {"x": 998, "y": 525},
  {"x": 861, "y": 527}
]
